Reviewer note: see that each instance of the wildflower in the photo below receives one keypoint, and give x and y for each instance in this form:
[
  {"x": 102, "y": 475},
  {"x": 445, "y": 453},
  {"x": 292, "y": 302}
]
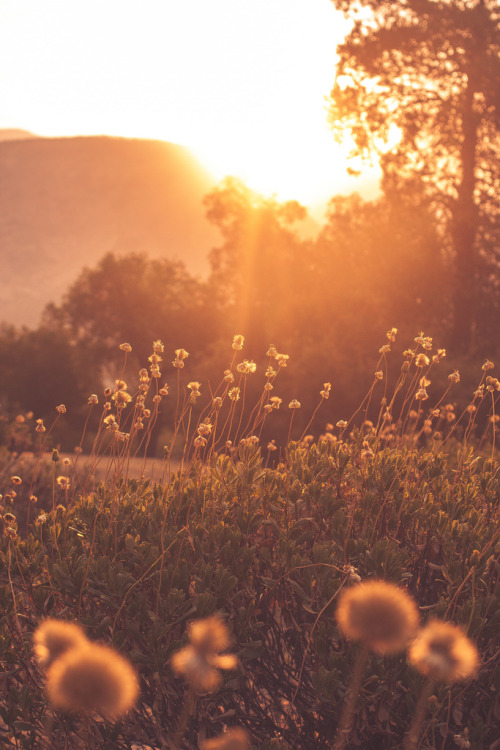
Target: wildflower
[
  {"x": 234, "y": 739},
  {"x": 271, "y": 372},
  {"x": 200, "y": 660},
  {"x": 146, "y": 413},
  {"x": 138, "y": 425},
  {"x": 158, "y": 347},
  {"x": 121, "y": 436},
  {"x": 454, "y": 377},
  {"x": 20, "y": 419},
  {"x": 143, "y": 376},
  {"x": 125, "y": 347},
  {"x": 421, "y": 395},
  {"x": 246, "y": 367},
  {"x": 471, "y": 409},
  {"x": 41, "y": 519},
  {"x": 488, "y": 365},
  {"x": 268, "y": 387},
  {"x": 33, "y": 499},
  {"x": 276, "y": 402},
  {"x": 294, "y": 404},
  {"x": 92, "y": 679},
  {"x": 420, "y": 339},
  {"x": 164, "y": 391},
  {"x": 63, "y": 482},
  {"x": 268, "y": 408},
  {"x": 341, "y": 424},
  {"x": 238, "y": 342},
  {"x": 217, "y": 402},
  {"x": 385, "y": 349},
  {"x": 93, "y": 399},
  {"x": 380, "y": 614},
  {"x": 427, "y": 343},
  {"x": 55, "y": 455},
  {"x": 444, "y": 652},
  {"x": 107, "y": 392},
  {"x": 40, "y": 427},
  {"x": 325, "y": 393},
  {"x": 157, "y": 399},
  {"x": 106, "y": 406},
  {"x": 178, "y": 363},
  {"x": 379, "y": 375},
  {"x": 109, "y": 420},
  {"x": 181, "y": 354},
  {"x": 271, "y": 446},
  {"x": 16, "y": 480},
  {"x": 234, "y": 394},
  {"x": 479, "y": 393},
  {"x": 61, "y": 409},
  {"x": 282, "y": 359},
  {"x": 194, "y": 386},
  {"x": 228, "y": 376},
  {"x": 421, "y": 360},
  {"x": 204, "y": 429},
  {"x": 272, "y": 351},
  {"x": 53, "y": 638},
  {"x": 200, "y": 442},
  {"x": 121, "y": 398},
  {"x": 352, "y": 574},
  {"x": 154, "y": 359},
  {"x": 155, "y": 371},
  {"x": 391, "y": 335},
  {"x": 10, "y": 533}
]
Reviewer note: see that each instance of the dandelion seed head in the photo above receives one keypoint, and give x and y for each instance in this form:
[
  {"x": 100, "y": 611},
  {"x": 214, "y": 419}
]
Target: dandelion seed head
[
  {"x": 444, "y": 652},
  {"x": 53, "y": 638},
  {"x": 92, "y": 679},
  {"x": 380, "y": 614}
]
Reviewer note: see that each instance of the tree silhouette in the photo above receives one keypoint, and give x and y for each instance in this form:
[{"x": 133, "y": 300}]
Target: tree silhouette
[{"x": 431, "y": 68}]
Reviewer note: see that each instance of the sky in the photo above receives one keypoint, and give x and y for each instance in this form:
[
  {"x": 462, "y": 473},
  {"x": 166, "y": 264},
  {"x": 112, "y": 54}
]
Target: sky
[{"x": 242, "y": 83}]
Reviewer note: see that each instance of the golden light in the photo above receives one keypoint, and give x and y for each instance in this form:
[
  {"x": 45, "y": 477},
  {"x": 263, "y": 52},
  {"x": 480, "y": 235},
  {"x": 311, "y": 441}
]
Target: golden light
[{"x": 243, "y": 84}]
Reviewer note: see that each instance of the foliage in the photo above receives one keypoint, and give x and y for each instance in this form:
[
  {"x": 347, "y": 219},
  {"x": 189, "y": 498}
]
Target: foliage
[
  {"x": 268, "y": 547},
  {"x": 429, "y": 72}
]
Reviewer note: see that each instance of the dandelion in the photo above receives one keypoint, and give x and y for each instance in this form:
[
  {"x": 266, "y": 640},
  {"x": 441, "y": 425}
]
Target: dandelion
[
  {"x": 380, "y": 614},
  {"x": 442, "y": 651},
  {"x": 238, "y": 342},
  {"x": 294, "y": 404},
  {"x": 53, "y": 638},
  {"x": 125, "y": 347},
  {"x": 16, "y": 480},
  {"x": 200, "y": 660},
  {"x": 61, "y": 409},
  {"x": 92, "y": 679},
  {"x": 234, "y": 739}
]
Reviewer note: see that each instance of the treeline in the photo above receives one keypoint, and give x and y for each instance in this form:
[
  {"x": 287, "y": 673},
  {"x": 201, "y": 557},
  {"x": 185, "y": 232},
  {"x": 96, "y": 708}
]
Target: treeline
[{"x": 326, "y": 302}]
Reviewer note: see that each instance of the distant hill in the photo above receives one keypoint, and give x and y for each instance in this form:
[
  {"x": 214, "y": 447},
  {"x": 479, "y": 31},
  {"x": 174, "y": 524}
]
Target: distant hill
[{"x": 65, "y": 202}]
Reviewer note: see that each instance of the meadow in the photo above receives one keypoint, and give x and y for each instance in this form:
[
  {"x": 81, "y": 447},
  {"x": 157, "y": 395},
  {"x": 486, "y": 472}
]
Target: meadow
[{"x": 338, "y": 590}]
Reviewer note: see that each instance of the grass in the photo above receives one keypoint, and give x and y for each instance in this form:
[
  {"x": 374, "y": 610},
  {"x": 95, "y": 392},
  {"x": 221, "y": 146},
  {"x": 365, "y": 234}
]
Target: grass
[{"x": 264, "y": 538}]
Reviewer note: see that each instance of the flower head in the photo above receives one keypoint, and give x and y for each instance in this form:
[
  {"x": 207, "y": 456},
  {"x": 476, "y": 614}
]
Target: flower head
[
  {"x": 442, "y": 651},
  {"x": 238, "y": 342},
  {"x": 380, "y": 614},
  {"x": 125, "y": 347},
  {"x": 200, "y": 660},
  {"x": 93, "y": 679},
  {"x": 53, "y": 638}
]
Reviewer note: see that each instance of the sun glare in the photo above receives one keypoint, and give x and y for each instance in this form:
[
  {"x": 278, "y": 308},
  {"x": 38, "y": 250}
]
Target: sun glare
[{"x": 242, "y": 84}]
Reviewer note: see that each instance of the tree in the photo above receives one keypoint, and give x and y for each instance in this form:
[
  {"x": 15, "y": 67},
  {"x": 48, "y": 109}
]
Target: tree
[{"x": 430, "y": 71}]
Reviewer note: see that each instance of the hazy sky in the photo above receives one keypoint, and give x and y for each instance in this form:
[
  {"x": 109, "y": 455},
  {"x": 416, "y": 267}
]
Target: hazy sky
[{"x": 241, "y": 82}]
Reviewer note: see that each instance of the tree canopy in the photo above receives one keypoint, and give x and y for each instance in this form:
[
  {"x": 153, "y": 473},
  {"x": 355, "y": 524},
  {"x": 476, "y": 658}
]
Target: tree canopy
[{"x": 424, "y": 77}]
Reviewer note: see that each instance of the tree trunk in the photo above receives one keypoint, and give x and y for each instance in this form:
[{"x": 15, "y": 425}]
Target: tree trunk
[{"x": 464, "y": 230}]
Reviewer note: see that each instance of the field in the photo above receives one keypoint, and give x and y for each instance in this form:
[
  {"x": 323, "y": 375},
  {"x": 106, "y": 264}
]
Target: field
[{"x": 295, "y": 592}]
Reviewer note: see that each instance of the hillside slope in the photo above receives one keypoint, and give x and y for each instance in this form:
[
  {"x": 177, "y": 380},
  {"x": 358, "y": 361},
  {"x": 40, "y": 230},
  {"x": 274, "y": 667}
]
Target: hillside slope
[{"x": 65, "y": 202}]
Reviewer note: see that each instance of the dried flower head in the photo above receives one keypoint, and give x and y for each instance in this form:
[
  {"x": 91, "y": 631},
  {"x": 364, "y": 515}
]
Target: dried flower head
[
  {"x": 92, "y": 679},
  {"x": 234, "y": 739},
  {"x": 444, "y": 652},
  {"x": 379, "y": 375},
  {"x": 454, "y": 377},
  {"x": 488, "y": 365},
  {"x": 276, "y": 402},
  {"x": 380, "y": 614},
  {"x": 228, "y": 376},
  {"x": 325, "y": 393},
  {"x": 158, "y": 346},
  {"x": 181, "y": 354},
  {"x": 247, "y": 367},
  {"x": 294, "y": 404},
  {"x": 341, "y": 424},
  {"x": 93, "y": 399},
  {"x": 391, "y": 335},
  {"x": 40, "y": 427},
  {"x": 421, "y": 360},
  {"x": 200, "y": 660},
  {"x": 61, "y": 409},
  {"x": 16, "y": 480},
  {"x": 63, "y": 482},
  {"x": 234, "y": 394},
  {"x": 282, "y": 359},
  {"x": 125, "y": 347},
  {"x": 53, "y": 638},
  {"x": 238, "y": 342}
]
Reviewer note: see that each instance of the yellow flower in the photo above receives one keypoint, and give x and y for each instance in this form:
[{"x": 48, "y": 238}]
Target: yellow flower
[
  {"x": 444, "y": 652},
  {"x": 380, "y": 614},
  {"x": 200, "y": 660}
]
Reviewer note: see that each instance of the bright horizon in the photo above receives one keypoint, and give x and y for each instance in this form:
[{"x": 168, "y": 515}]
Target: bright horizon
[{"x": 241, "y": 84}]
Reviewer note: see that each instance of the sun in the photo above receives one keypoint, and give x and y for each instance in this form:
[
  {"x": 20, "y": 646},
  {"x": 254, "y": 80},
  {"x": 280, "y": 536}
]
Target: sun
[{"x": 242, "y": 84}]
